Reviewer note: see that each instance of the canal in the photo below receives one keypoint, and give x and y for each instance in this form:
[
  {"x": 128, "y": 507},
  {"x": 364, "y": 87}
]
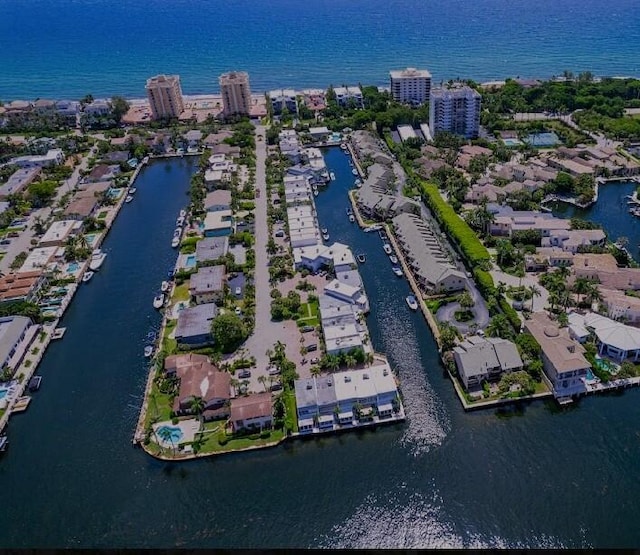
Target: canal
[{"x": 532, "y": 476}]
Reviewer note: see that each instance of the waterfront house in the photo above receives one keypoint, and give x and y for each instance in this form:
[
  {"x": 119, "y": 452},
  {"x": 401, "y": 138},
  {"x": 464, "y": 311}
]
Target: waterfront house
[
  {"x": 193, "y": 138},
  {"x": 218, "y": 223},
  {"x": 199, "y": 378},
  {"x": 22, "y": 285},
  {"x": 341, "y": 328},
  {"x": 281, "y": 99},
  {"x": 620, "y": 306},
  {"x": 614, "y": 339},
  {"x": 336, "y": 255},
  {"x": 481, "y": 359},
  {"x": 207, "y": 285},
  {"x": 41, "y": 259},
  {"x": 348, "y": 293},
  {"x": 16, "y": 335},
  {"x": 80, "y": 207},
  {"x": 18, "y": 181},
  {"x": 194, "y": 325},
  {"x": 506, "y": 221},
  {"x": 319, "y": 133},
  {"x": 349, "y": 96},
  {"x": 59, "y": 232},
  {"x": 563, "y": 358},
  {"x": 217, "y": 200},
  {"x": 572, "y": 240},
  {"x": 315, "y": 99},
  {"x": 116, "y": 156},
  {"x": 214, "y": 139},
  {"x": 252, "y": 412},
  {"x": 211, "y": 248}
]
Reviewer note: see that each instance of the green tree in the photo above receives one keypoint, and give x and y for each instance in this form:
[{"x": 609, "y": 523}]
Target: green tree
[
  {"x": 466, "y": 300},
  {"x": 499, "y": 326},
  {"x": 229, "y": 331},
  {"x": 119, "y": 107},
  {"x": 448, "y": 336}
]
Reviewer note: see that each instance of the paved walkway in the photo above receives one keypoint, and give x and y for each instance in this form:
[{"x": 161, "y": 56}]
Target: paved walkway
[{"x": 538, "y": 302}]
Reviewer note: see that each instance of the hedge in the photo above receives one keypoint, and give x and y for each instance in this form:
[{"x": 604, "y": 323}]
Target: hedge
[
  {"x": 484, "y": 281},
  {"x": 457, "y": 229},
  {"x": 511, "y": 314}
]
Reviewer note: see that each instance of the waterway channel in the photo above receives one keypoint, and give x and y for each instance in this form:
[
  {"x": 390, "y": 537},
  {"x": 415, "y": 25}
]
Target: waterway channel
[{"x": 533, "y": 476}]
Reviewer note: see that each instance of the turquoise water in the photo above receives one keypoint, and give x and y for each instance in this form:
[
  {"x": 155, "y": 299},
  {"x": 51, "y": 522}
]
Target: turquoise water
[
  {"x": 190, "y": 261},
  {"x": 511, "y": 142},
  {"x": 3, "y": 393},
  {"x": 174, "y": 434},
  {"x": 111, "y": 46},
  {"x": 72, "y": 267},
  {"x": 606, "y": 365}
]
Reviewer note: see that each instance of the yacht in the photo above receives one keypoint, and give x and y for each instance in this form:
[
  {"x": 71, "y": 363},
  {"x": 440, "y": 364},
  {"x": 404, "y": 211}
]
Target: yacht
[
  {"x": 354, "y": 171},
  {"x": 132, "y": 190},
  {"x": 177, "y": 232},
  {"x": 361, "y": 258},
  {"x": 183, "y": 214},
  {"x": 343, "y": 146},
  {"x": 387, "y": 248},
  {"x": 358, "y": 183},
  {"x": 332, "y": 176},
  {"x": 412, "y": 302},
  {"x": 179, "y": 222},
  {"x": 352, "y": 218},
  {"x": 97, "y": 258},
  {"x": 87, "y": 276},
  {"x": 148, "y": 351},
  {"x": 34, "y": 383},
  {"x": 397, "y": 270},
  {"x": 325, "y": 236},
  {"x": 164, "y": 286},
  {"x": 175, "y": 242},
  {"x": 393, "y": 258},
  {"x": 158, "y": 301},
  {"x": 129, "y": 198}
]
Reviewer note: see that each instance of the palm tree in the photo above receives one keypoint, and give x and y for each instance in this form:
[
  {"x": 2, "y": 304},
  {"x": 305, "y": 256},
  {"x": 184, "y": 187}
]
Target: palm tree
[
  {"x": 350, "y": 360},
  {"x": 535, "y": 292},
  {"x": 197, "y": 405},
  {"x": 580, "y": 287},
  {"x": 166, "y": 437},
  {"x": 333, "y": 362},
  {"x": 234, "y": 383},
  {"x": 593, "y": 293},
  {"x": 499, "y": 326},
  {"x": 315, "y": 370}
]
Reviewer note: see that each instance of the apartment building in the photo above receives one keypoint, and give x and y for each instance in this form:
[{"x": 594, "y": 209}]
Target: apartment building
[
  {"x": 236, "y": 93},
  {"x": 165, "y": 96},
  {"x": 455, "y": 110},
  {"x": 410, "y": 86}
]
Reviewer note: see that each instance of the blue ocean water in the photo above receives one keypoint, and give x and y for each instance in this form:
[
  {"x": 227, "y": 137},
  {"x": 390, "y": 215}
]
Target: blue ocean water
[{"x": 68, "y": 48}]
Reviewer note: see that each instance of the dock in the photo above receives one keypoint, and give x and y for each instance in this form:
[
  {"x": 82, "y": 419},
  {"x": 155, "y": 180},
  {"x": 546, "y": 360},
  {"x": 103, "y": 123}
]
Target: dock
[
  {"x": 58, "y": 333},
  {"x": 21, "y": 404}
]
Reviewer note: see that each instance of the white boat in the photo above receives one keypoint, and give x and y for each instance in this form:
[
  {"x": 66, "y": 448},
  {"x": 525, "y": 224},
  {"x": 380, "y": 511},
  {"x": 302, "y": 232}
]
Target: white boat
[
  {"x": 358, "y": 183},
  {"x": 87, "y": 276},
  {"x": 361, "y": 258},
  {"x": 325, "y": 236},
  {"x": 352, "y": 218},
  {"x": 386, "y": 247},
  {"x": 175, "y": 242},
  {"x": 343, "y": 146},
  {"x": 158, "y": 301},
  {"x": 332, "y": 176},
  {"x": 148, "y": 351},
  {"x": 180, "y": 222},
  {"x": 393, "y": 258},
  {"x": 324, "y": 230},
  {"x": 397, "y": 270},
  {"x": 164, "y": 286},
  {"x": 183, "y": 214},
  {"x": 412, "y": 302},
  {"x": 132, "y": 190},
  {"x": 97, "y": 260},
  {"x": 315, "y": 192},
  {"x": 374, "y": 227},
  {"x": 177, "y": 232},
  {"x": 354, "y": 171},
  {"x": 129, "y": 198}
]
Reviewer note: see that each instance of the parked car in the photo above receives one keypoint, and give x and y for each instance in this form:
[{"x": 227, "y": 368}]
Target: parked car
[
  {"x": 238, "y": 290},
  {"x": 238, "y": 311},
  {"x": 5, "y": 242},
  {"x": 315, "y": 360},
  {"x": 279, "y": 233},
  {"x": 276, "y": 386},
  {"x": 306, "y": 329},
  {"x": 243, "y": 374},
  {"x": 273, "y": 371},
  {"x": 13, "y": 234},
  {"x": 311, "y": 347}
]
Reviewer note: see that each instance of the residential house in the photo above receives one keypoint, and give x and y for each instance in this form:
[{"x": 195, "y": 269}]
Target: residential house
[
  {"x": 207, "y": 284},
  {"x": 217, "y": 200},
  {"x": 59, "y": 232},
  {"x": 16, "y": 335},
  {"x": 211, "y": 248},
  {"x": 194, "y": 325},
  {"x": 22, "y": 285},
  {"x": 18, "y": 181},
  {"x": 218, "y": 223},
  {"x": 252, "y": 412}
]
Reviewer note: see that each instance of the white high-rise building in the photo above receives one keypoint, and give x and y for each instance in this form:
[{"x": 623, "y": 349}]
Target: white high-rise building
[
  {"x": 455, "y": 110},
  {"x": 236, "y": 94},
  {"x": 165, "y": 96},
  {"x": 410, "y": 86}
]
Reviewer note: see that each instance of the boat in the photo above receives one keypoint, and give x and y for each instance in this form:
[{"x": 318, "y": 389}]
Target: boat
[
  {"x": 97, "y": 259},
  {"x": 4, "y": 442},
  {"x": 332, "y": 176},
  {"x": 352, "y": 218},
  {"x": 325, "y": 236},
  {"x": 324, "y": 231},
  {"x": 386, "y": 247},
  {"x": 179, "y": 222},
  {"x": 148, "y": 351},
  {"x": 393, "y": 258},
  {"x": 374, "y": 227},
  {"x": 358, "y": 185},
  {"x": 358, "y": 182},
  {"x": 397, "y": 270},
  {"x": 175, "y": 242},
  {"x": 315, "y": 192},
  {"x": 183, "y": 214},
  {"x": 87, "y": 276},
  {"x": 129, "y": 198},
  {"x": 158, "y": 301},
  {"x": 361, "y": 258},
  {"x": 349, "y": 211},
  {"x": 343, "y": 146},
  {"x": 132, "y": 190},
  {"x": 354, "y": 171},
  {"x": 34, "y": 383},
  {"x": 164, "y": 286},
  {"x": 412, "y": 302}
]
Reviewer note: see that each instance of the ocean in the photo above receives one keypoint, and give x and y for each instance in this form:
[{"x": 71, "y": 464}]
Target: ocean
[{"x": 69, "y": 48}]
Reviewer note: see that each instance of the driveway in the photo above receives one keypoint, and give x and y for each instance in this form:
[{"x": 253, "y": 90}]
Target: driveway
[
  {"x": 538, "y": 302},
  {"x": 446, "y": 313}
]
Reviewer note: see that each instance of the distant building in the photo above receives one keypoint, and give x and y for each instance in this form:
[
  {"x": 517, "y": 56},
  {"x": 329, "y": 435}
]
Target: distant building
[
  {"x": 346, "y": 96},
  {"x": 456, "y": 111},
  {"x": 283, "y": 98},
  {"x": 236, "y": 93},
  {"x": 410, "y": 86},
  {"x": 165, "y": 96}
]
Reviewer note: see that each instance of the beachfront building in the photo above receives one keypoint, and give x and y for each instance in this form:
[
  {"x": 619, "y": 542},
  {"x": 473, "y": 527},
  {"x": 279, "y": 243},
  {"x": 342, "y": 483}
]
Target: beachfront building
[
  {"x": 563, "y": 358},
  {"x": 455, "y": 110},
  {"x": 194, "y": 325},
  {"x": 283, "y": 98},
  {"x": 410, "y": 86},
  {"x": 251, "y": 412},
  {"x": 165, "y": 96},
  {"x": 199, "y": 379},
  {"x": 236, "y": 93},
  {"x": 346, "y": 398},
  {"x": 207, "y": 284},
  {"x": 16, "y": 334},
  {"x": 481, "y": 359},
  {"x": 349, "y": 96}
]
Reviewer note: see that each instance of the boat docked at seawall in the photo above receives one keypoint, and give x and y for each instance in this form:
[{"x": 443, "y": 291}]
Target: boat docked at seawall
[
  {"x": 374, "y": 227},
  {"x": 164, "y": 286},
  {"x": 87, "y": 276},
  {"x": 352, "y": 218},
  {"x": 148, "y": 351},
  {"x": 387, "y": 248},
  {"x": 412, "y": 302},
  {"x": 354, "y": 171},
  {"x": 128, "y": 199},
  {"x": 97, "y": 259},
  {"x": 393, "y": 258},
  {"x": 361, "y": 258},
  {"x": 175, "y": 241},
  {"x": 158, "y": 301},
  {"x": 4, "y": 443},
  {"x": 325, "y": 237},
  {"x": 397, "y": 270},
  {"x": 132, "y": 190}
]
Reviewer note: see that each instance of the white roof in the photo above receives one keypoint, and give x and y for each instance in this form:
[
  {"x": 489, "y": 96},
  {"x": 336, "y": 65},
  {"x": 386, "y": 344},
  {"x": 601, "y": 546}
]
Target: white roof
[{"x": 613, "y": 333}]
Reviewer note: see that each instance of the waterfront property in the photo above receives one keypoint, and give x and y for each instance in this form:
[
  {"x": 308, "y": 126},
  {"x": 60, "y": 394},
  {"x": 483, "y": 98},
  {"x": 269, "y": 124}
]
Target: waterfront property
[
  {"x": 207, "y": 284},
  {"x": 194, "y": 325},
  {"x": 252, "y": 412},
  {"x": 16, "y": 334},
  {"x": 455, "y": 110},
  {"x": 58, "y": 233},
  {"x": 211, "y": 248},
  {"x": 410, "y": 86},
  {"x": 614, "y": 339}
]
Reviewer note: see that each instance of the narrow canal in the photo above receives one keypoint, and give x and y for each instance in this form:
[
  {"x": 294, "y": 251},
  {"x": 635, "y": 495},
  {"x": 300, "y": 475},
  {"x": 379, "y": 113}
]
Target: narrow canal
[{"x": 529, "y": 477}]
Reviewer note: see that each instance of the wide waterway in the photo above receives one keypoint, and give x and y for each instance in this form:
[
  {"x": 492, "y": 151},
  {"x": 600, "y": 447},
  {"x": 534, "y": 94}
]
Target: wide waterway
[{"x": 534, "y": 477}]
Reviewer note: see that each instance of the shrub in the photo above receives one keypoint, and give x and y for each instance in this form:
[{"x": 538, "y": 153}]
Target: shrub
[
  {"x": 265, "y": 434},
  {"x": 222, "y": 438},
  {"x": 484, "y": 281},
  {"x": 511, "y": 314}
]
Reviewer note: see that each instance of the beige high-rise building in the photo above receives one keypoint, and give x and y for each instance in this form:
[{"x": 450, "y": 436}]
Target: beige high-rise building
[
  {"x": 410, "y": 86},
  {"x": 165, "y": 96},
  {"x": 236, "y": 94}
]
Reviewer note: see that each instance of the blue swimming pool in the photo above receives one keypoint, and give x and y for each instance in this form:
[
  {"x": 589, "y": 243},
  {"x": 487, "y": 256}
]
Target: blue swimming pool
[
  {"x": 3, "y": 393},
  {"x": 190, "y": 261},
  {"x": 73, "y": 267},
  {"x": 606, "y": 365},
  {"x": 169, "y": 434},
  {"x": 511, "y": 142}
]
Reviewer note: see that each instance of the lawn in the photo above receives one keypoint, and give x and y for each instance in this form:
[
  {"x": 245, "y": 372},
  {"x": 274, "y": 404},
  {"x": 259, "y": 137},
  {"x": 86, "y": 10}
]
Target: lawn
[
  {"x": 160, "y": 407},
  {"x": 211, "y": 444},
  {"x": 309, "y": 314},
  {"x": 290, "y": 417},
  {"x": 181, "y": 293},
  {"x": 169, "y": 344}
]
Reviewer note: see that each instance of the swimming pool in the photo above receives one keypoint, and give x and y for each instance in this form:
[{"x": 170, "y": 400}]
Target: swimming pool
[
  {"x": 169, "y": 434},
  {"x": 335, "y": 137},
  {"x": 190, "y": 261},
  {"x": 73, "y": 267},
  {"x": 606, "y": 365},
  {"x": 3, "y": 392},
  {"x": 511, "y": 142}
]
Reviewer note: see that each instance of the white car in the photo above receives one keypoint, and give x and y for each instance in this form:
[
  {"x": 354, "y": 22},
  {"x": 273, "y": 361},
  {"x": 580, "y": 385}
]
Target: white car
[
  {"x": 238, "y": 311},
  {"x": 238, "y": 290}
]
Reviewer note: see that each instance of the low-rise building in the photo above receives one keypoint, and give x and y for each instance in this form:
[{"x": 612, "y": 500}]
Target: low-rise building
[
  {"x": 217, "y": 200},
  {"x": 53, "y": 157},
  {"x": 16, "y": 334},
  {"x": 207, "y": 284},
  {"x": 59, "y": 232},
  {"x": 507, "y": 221},
  {"x": 40, "y": 257},
  {"x": 349, "y": 96},
  {"x": 219, "y": 223},
  {"x": 571, "y": 240},
  {"x": 283, "y": 98},
  {"x": 252, "y": 412},
  {"x": 620, "y": 306},
  {"x": 614, "y": 339},
  {"x": 103, "y": 172},
  {"x": 211, "y": 248},
  {"x": 18, "y": 181},
  {"x": 22, "y": 285},
  {"x": 194, "y": 325}
]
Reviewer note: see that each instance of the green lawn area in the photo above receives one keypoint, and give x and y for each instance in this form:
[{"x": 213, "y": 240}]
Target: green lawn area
[
  {"x": 211, "y": 444},
  {"x": 181, "y": 293},
  {"x": 160, "y": 407},
  {"x": 169, "y": 344},
  {"x": 309, "y": 314},
  {"x": 290, "y": 418},
  {"x": 102, "y": 215}
]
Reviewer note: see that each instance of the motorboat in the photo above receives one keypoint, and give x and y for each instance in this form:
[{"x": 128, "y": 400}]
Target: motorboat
[
  {"x": 325, "y": 236},
  {"x": 158, "y": 301},
  {"x": 324, "y": 230},
  {"x": 354, "y": 171},
  {"x": 164, "y": 286},
  {"x": 386, "y": 247},
  {"x": 175, "y": 242},
  {"x": 349, "y": 211},
  {"x": 4, "y": 442},
  {"x": 361, "y": 258},
  {"x": 128, "y": 199},
  {"x": 412, "y": 302},
  {"x": 132, "y": 190},
  {"x": 179, "y": 222},
  {"x": 34, "y": 383},
  {"x": 315, "y": 192},
  {"x": 87, "y": 276},
  {"x": 374, "y": 227},
  {"x": 183, "y": 214},
  {"x": 148, "y": 351},
  {"x": 397, "y": 270},
  {"x": 343, "y": 146},
  {"x": 393, "y": 258},
  {"x": 352, "y": 218},
  {"x": 97, "y": 259},
  {"x": 332, "y": 176},
  {"x": 358, "y": 183}
]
